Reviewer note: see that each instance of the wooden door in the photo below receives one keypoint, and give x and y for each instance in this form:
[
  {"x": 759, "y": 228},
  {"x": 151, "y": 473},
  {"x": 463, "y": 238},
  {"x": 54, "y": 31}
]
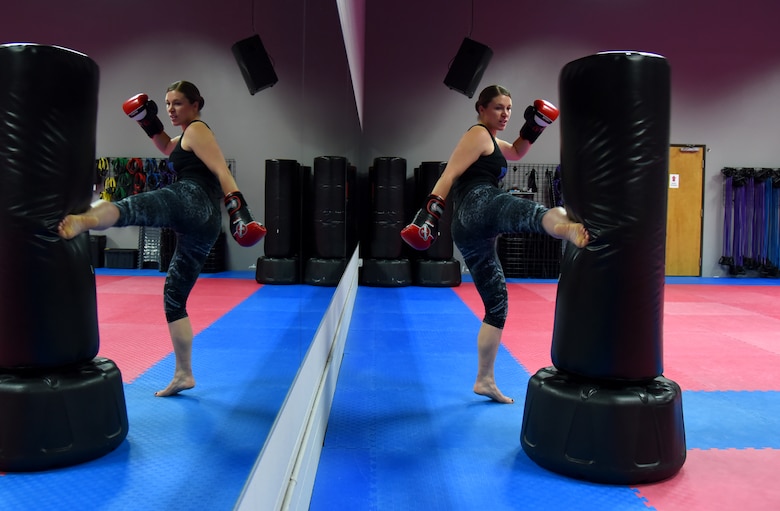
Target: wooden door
[{"x": 684, "y": 211}]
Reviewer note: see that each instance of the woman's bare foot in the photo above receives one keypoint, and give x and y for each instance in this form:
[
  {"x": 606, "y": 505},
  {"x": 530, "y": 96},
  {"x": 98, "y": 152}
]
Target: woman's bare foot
[
  {"x": 572, "y": 232},
  {"x": 489, "y": 389},
  {"x": 73, "y": 225},
  {"x": 178, "y": 384}
]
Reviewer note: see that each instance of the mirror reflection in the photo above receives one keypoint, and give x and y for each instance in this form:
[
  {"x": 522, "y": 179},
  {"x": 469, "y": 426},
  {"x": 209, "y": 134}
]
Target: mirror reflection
[{"x": 242, "y": 326}]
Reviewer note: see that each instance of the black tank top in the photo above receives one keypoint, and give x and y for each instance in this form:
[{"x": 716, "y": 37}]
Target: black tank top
[
  {"x": 488, "y": 169},
  {"x": 188, "y": 166}
]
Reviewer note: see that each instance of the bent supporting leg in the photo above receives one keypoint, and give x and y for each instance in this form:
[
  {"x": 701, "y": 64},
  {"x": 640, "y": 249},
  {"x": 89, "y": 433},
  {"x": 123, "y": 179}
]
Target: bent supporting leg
[
  {"x": 488, "y": 341},
  {"x": 181, "y": 337}
]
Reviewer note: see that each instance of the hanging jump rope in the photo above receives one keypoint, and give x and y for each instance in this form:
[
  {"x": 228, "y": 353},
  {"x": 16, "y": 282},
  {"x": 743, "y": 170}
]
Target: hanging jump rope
[
  {"x": 773, "y": 224},
  {"x": 727, "y": 255}
]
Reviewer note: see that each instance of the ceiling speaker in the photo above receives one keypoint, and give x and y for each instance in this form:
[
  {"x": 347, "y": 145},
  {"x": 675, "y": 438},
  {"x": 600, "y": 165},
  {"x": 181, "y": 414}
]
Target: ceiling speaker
[
  {"x": 468, "y": 66},
  {"x": 255, "y": 65}
]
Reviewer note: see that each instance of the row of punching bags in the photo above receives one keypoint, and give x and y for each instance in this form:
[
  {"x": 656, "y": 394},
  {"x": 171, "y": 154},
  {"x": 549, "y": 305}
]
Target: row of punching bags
[
  {"x": 310, "y": 215},
  {"x": 387, "y": 261}
]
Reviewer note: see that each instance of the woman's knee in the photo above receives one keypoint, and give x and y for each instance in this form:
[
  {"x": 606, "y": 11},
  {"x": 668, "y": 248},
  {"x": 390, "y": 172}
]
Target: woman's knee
[
  {"x": 175, "y": 314},
  {"x": 495, "y": 321},
  {"x": 497, "y": 310},
  {"x": 174, "y": 304}
]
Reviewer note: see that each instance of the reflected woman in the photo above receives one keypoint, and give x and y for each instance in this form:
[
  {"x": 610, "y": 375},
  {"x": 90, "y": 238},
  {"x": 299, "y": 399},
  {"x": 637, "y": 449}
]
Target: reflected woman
[{"x": 190, "y": 207}]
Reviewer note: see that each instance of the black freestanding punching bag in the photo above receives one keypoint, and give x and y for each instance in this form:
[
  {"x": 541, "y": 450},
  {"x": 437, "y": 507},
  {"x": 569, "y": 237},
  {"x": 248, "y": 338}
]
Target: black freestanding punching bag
[
  {"x": 282, "y": 244},
  {"x": 60, "y": 404},
  {"x": 383, "y": 264},
  {"x": 604, "y": 412},
  {"x": 614, "y": 168},
  {"x": 328, "y": 227}
]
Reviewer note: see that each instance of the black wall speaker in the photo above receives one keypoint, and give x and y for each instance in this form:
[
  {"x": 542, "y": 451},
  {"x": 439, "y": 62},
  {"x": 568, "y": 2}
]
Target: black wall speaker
[
  {"x": 468, "y": 66},
  {"x": 256, "y": 67}
]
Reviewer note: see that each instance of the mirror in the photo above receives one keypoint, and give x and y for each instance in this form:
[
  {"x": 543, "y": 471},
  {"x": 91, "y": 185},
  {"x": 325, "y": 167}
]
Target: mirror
[{"x": 310, "y": 112}]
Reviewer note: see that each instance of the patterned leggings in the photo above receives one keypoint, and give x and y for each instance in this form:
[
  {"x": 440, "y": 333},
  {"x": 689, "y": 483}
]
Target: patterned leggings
[
  {"x": 185, "y": 208},
  {"x": 478, "y": 219}
]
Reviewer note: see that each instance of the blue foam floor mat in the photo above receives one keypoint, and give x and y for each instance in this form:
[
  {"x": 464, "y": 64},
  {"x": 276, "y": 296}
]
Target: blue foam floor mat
[
  {"x": 406, "y": 432},
  {"x": 193, "y": 451}
]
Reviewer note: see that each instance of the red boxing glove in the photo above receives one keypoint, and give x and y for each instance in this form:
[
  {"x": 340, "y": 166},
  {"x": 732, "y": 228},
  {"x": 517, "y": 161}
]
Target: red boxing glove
[
  {"x": 537, "y": 117},
  {"x": 144, "y": 111},
  {"x": 245, "y": 229},
  {"x": 424, "y": 229}
]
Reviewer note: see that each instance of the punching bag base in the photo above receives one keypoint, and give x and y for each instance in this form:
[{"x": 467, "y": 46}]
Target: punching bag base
[
  {"x": 60, "y": 417},
  {"x": 271, "y": 270},
  {"x": 604, "y": 433},
  {"x": 323, "y": 272},
  {"x": 430, "y": 273},
  {"x": 386, "y": 273}
]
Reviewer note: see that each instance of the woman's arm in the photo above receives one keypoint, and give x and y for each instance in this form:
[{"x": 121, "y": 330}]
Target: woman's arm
[
  {"x": 164, "y": 143},
  {"x": 537, "y": 117},
  {"x": 514, "y": 151},
  {"x": 424, "y": 228},
  {"x": 200, "y": 140}
]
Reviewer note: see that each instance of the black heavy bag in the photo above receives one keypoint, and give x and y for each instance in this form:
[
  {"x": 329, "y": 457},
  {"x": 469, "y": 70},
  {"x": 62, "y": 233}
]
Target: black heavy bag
[
  {"x": 282, "y": 208},
  {"x": 614, "y": 162},
  {"x": 604, "y": 412},
  {"x": 48, "y": 114},
  {"x": 388, "y": 180},
  {"x": 283, "y": 219},
  {"x": 61, "y": 405},
  {"x": 329, "y": 203},
  {"x": 351, "y": 194}
]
